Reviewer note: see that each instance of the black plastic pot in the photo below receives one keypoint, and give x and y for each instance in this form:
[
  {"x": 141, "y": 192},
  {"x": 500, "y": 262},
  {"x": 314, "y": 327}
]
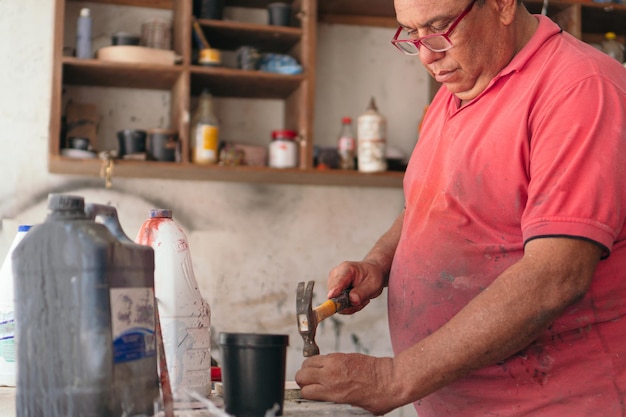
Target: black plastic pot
[{"x": 253, "y": 372}]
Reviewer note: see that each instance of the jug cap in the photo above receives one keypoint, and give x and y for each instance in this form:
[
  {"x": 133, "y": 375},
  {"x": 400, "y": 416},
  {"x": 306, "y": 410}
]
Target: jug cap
[
  {"x": 167, "y": 213},
  {"x": 65, "y": 202}
]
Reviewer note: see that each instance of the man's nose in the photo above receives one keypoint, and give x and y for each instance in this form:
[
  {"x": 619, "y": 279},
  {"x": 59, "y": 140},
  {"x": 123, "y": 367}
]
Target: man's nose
[{"x": 428, "y": 57}]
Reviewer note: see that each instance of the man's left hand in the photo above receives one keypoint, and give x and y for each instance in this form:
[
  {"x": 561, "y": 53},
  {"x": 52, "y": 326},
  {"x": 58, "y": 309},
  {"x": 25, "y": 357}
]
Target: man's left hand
[{"x": 356, "y": 379}]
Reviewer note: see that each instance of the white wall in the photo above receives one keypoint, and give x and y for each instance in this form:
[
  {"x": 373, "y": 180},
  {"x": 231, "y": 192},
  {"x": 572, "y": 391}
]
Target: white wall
[{"x": 251, "y": 244}]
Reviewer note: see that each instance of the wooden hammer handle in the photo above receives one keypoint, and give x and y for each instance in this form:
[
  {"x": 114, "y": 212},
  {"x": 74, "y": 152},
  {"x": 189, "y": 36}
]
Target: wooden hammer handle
[{"x": 331, "y": 306}]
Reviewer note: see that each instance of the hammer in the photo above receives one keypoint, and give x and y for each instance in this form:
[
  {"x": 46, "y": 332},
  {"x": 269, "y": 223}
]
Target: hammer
[{"x": 309, "y": 317}]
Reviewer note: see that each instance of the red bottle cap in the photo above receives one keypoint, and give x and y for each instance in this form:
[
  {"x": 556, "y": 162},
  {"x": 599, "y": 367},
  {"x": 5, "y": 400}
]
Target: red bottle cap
[
  {"x": 216, "y": 373},
  {"x": 346, "y": 120},
  {"x": 284, "y": 134}
]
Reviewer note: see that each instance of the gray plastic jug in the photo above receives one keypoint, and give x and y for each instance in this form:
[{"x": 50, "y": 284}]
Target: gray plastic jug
[{"x": 85, "y": 308}]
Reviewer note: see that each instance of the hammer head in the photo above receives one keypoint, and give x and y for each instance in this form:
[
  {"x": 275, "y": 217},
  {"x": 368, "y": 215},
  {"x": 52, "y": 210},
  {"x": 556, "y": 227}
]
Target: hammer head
[{"x": 307, "y": 320}]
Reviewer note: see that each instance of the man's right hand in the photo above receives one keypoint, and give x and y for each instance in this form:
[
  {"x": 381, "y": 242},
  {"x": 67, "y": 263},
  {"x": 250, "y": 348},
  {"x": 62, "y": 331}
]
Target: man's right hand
[{"x": 367, "y": 280}]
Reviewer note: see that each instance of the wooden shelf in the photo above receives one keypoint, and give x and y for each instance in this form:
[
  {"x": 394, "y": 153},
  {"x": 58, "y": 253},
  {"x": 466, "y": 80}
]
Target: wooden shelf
[
  {"x": 583, "y": 19},
  {"x": 358, "y": 12},
  {"x": 228, "y": 35},
  {"x": 92, "y": 72},
  {"x": 602, "y": 18},
  {"x": 179, "y": 171},
  {"x": 155, "y": 4},
  {"x": 228, "y": 82}
]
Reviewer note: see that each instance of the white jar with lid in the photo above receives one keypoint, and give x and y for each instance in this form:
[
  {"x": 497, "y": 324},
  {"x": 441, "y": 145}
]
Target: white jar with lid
[{"x": 283, "y": 149}]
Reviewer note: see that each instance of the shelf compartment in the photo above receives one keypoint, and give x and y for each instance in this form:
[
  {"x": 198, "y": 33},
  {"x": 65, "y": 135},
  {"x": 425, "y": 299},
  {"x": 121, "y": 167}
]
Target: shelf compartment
[
  {"x": 378, "y": 8},
  {"x": 229, "y": 35},
  {"x": 253, "y": 4},
  {"x": 178, "y": 171},
  {"x": 235, "y": 83},
  {"x": 602, "y": 17},
  {"x": 155, "y": 4},
  {"x": 92, "y": 72}
]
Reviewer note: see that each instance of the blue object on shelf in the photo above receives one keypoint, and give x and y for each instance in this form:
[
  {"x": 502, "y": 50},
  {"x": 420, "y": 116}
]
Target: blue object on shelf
[{"x": 282, "y": 64}]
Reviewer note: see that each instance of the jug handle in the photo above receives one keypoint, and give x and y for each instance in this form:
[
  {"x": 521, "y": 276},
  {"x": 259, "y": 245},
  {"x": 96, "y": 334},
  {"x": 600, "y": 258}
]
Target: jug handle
[{"x": 108, "y": 215}]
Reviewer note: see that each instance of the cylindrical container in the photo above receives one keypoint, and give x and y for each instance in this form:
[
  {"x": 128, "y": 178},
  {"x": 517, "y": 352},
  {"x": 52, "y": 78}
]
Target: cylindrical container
[
  {"x": 204, "y": 132},
  {"x": 612, "y": 47},
  {"x": 253, "y": 372},
  {"x": 283, "y": 149},
  {"x": 211, "y": 9},
  {"x": 7, "y": 314},
  {"x": 131, "y": 141},
  {"x": 372, "y": 140},
  {"x": 85, "y": 316},
  {"x": 279, "y": 13},
  {"x": 83, "y": 34},
  {"x": 162, "y": 145},
  {"x": 248, "y": 58},
  {"x": 123, "y": 38},
  {"x": 156, "y": 33},
  {"x": 210, "y": 57},
  {"x": 346, "y": 144},
  {"x": 184, "y": 315}
]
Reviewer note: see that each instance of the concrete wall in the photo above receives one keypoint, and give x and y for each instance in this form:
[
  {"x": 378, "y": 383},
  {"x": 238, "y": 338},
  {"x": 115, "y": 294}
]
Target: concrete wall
[{"x": 251, "y": 244}]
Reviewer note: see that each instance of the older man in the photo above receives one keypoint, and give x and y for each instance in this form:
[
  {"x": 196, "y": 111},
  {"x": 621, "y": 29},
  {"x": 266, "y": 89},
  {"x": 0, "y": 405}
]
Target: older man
[{"x": 506, "y": 271}]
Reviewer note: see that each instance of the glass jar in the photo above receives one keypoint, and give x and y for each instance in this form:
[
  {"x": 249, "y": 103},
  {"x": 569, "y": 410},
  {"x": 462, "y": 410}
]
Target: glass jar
[{"x": 283, "y": 149}]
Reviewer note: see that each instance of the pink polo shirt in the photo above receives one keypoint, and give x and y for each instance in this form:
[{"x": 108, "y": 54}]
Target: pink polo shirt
[{"x": 541, "y": 152}]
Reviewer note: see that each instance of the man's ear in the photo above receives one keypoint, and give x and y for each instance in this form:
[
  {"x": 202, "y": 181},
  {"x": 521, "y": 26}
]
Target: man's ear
[{"x": 507, "y": 10}]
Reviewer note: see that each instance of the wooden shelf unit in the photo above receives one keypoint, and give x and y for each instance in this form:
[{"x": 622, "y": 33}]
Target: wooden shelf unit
[{"x": 586, "y": 20}]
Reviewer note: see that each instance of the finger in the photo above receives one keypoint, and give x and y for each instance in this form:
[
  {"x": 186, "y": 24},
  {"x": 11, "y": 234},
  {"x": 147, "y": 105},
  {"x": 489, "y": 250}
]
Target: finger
[
  {"x": 314, "y": 392},
  {"x": 354, "y": 308},
  {"x": 340, "y": 278},
  {"x": 310, "y": 372}
]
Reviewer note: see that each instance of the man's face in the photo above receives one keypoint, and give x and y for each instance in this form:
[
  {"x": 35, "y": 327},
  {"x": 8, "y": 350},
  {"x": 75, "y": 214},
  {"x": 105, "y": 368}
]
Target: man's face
[{"x": 482, "y": 45}]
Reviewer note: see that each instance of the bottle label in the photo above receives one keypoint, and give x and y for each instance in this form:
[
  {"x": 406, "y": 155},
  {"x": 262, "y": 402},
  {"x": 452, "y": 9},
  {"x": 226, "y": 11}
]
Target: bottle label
[
  {"x": 283, "y": 154},
  {"x": 7, "y": 338},
  {"x": 206, "y": 144},
  {"x": 133, "y": 323},
  {"x": 346, "y": 144}
]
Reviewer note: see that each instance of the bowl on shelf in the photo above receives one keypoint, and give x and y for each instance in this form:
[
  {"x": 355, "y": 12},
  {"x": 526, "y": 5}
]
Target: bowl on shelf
[{"x": 137, "y": 54}]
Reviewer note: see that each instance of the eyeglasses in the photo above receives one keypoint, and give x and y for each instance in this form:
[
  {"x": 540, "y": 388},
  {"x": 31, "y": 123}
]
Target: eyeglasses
[{"x": 437, "y": 42}]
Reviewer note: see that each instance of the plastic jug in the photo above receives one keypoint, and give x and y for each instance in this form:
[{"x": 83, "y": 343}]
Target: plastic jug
[
  {"x": 7, "y": 314},
  {"x": 184, "y": 315},
  {"x": 85, "y": 316}
]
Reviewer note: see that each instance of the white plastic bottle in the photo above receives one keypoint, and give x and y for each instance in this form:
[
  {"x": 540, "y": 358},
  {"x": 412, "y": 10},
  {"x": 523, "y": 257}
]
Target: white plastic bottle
[
  {"x": 612, "y": 47},
  {"x": 184, "y": 315},
  {"x": 83, "y": 34},
  {"x": 346, "y": 144},
  {"x": 7, "y": 316},
  {"x": 372, "y": 140}
]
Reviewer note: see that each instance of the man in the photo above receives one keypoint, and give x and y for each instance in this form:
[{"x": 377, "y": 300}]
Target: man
[{"x": 506, "y": 271}]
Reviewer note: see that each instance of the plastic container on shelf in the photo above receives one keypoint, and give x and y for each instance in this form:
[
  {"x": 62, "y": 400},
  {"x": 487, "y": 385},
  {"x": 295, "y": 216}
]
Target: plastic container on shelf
[
  {"x": 184, "y": 314},
  {"x": 283, "y": 149},
  {"x": 372, "y": 140},
  {"x": 83, "y": 34},
  {"x": 612, "y": 47},
  {"x": 204, "y": 131},
  {"x": 346, "y": 144},
  {"x": 7, "y": 314},
  {"x": 85, "y": 316}
]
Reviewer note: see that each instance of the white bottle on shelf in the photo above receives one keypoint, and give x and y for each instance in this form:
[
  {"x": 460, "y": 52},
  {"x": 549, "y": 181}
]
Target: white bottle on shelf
[
  {"x": 372, "y": 140},
  {"x": 613, "y": 47},
  {"x": 184, "y": 315},
  {"x": 7, "y": 314},
  {"x": 346, "y": 144}
]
